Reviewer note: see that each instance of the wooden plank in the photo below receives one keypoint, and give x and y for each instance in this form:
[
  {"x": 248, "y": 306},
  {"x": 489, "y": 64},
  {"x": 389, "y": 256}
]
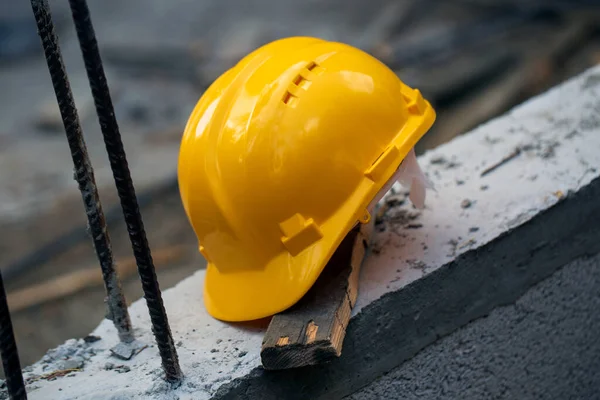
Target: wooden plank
[{"x": 313, "y": 330}]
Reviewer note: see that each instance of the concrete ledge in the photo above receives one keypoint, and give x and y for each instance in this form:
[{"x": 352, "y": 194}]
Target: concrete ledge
[{"x": 481, "y": 242}]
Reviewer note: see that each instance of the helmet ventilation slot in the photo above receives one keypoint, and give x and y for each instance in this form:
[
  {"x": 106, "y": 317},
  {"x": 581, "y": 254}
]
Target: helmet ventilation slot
[
  {"x": 289, "y": 98},
  {"x": 300, "y": 82},
  {"x": 311, "y": 65}
]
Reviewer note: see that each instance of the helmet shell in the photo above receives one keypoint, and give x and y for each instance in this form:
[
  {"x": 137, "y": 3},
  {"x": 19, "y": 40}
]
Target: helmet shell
[{"x": 281, "y": 157}]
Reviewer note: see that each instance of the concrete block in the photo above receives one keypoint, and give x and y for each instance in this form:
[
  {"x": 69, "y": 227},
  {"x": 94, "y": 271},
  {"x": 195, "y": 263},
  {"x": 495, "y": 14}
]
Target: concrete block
[
  {"x": 544, "y": 346},
  {"x": 485, "y": 237}
]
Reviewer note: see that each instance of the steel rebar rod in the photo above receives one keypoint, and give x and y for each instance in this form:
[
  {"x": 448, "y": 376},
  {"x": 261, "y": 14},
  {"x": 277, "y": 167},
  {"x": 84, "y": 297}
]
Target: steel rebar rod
[
  {"x": 125, "y": 188},
  {"x": 83, "y": 171},
  {"x": 8, "y": 349}
]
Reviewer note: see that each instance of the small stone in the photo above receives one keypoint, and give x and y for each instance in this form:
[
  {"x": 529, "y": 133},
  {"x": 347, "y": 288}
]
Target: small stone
[
  {"x": 74, "y": 363},
  {"x": 214, "y": 350},
  {"x": 466, "y": 203},
  {"x": 242, "y": 353},
  {"x": 438, "y": 160},
  {"x": 179, "y": 344},
  {"x": 122, "y": 369},
  {"x": 122, "y": 351},
  {"x": 459, "y": 182},
  {"x": 109, "y": 366},
  {"x": 473, "y": 229},
  {"x": 91, "y": 338},
  {"x": 484, "y": 187},
  {"x": 125, "y": 351},
  {"x": 219, "y": 341},
  {"x": 395, "y": 200},
  {"x": 414, "y": 226}
]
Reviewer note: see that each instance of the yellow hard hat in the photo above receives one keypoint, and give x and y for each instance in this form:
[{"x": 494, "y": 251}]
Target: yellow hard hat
[{"x": 280, "y": 159}]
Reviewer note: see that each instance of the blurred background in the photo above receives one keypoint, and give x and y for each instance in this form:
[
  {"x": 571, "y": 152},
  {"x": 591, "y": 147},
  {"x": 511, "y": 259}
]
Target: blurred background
[{"x": 473, "y": 59}]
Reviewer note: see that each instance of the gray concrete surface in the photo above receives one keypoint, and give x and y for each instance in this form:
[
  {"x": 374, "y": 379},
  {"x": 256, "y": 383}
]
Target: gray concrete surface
[{"x": 545, "y": 346}]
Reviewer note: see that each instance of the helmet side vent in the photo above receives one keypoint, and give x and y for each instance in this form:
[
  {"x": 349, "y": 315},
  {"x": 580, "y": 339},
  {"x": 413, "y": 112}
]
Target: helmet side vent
[{"x": 300, "y": 83}]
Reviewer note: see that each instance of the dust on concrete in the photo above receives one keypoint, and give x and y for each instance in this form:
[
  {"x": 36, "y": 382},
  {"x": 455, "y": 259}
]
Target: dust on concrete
[
  {"x": 589, "y": 122},
  {"x": 418, "y": 265},
  {"x": 444, "y": 162},
  {"x": 542, "y": 148}
]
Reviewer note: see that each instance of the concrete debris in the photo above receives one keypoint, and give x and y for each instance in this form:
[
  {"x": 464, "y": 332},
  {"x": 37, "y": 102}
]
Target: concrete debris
[
  {"x": 121, "y": 369},
  {"x": 125, "y": 351},
  {"x": 402, "y": 216},
  {"x": 543, "y": 148},
  {"x": 418, "y": 265},
  {"x": 395, "y": 200},
  {"x": 72, "y": 363},
  {"x": 414, "y": 226},
  {"x": 443, "y": 161},
  {"x": 91, "y": 338},
  {"x": 71, "y": 354},
  {"x": 438, "y": 160}
]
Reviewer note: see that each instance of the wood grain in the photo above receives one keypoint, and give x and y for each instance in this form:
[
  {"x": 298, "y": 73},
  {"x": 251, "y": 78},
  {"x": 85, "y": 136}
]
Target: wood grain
[{"x": 313, "y": 330}]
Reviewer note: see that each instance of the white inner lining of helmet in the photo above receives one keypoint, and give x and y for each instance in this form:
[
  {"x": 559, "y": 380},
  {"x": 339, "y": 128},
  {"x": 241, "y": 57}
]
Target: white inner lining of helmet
[{"x": 411, "y": 177}]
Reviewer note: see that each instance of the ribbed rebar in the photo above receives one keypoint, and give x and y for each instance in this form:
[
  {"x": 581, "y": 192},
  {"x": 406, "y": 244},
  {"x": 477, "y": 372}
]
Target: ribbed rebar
[
  {"x": 83, "y": 171},
  {"x": 9, "y": 352},
  {"x": 125, "y": 188}
]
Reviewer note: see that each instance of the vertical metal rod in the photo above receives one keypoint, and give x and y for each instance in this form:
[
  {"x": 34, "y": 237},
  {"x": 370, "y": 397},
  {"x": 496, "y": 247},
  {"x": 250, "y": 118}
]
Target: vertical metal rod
[
  {"x": 83, "y": 172},
  {"x": 125, "y": 188},
  {"x": 9, "y": 352}
]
